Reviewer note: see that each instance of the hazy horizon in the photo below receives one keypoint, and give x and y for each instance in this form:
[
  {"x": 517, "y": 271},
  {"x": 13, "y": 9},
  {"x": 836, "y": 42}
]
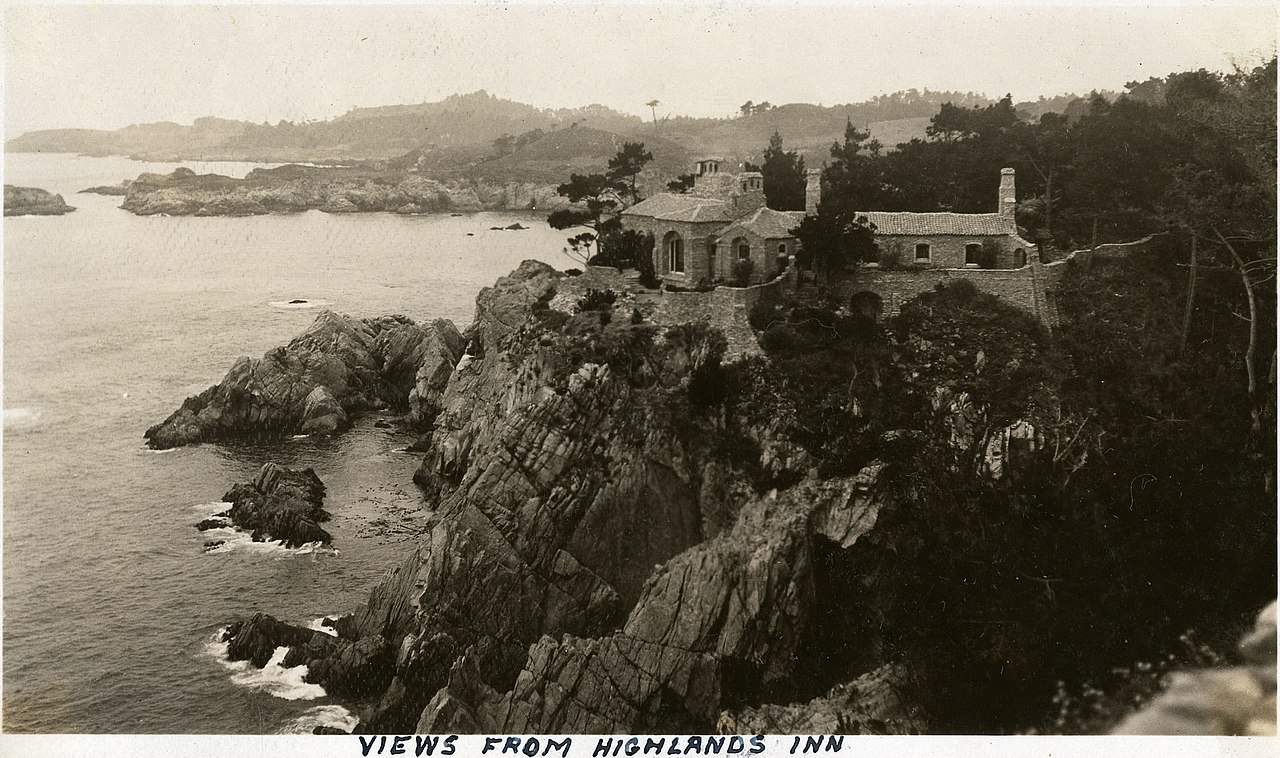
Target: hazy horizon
[{"x": 110, "y": 66}]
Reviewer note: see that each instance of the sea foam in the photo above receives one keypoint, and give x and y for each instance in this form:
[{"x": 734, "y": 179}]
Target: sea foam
[
  {"x": 235, "y": 540},
  {"x": 322, "y": 715},
  {"x": 274, "y": 678}
]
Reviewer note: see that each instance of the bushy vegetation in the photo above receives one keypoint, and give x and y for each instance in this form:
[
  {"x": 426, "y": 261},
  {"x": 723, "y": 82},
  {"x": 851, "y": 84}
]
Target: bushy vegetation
[{"x": 1146, "y": 511}]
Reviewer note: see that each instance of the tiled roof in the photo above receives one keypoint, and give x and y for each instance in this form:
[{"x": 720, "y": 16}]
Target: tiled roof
[
  {"x": 766, "y": 223},
  {"x": 925, "y": 224},
  {"x": 690, "y": 208}
]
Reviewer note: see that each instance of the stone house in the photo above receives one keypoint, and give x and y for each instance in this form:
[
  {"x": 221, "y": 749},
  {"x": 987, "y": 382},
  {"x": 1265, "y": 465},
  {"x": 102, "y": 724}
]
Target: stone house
[{"x": 700, "y": 237}]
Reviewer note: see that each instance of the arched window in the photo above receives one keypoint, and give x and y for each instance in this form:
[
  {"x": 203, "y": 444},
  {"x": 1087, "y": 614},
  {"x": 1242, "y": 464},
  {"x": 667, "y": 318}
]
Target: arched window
[
  {"x": 782, "y": 249},
  {"x": 742, "y": 248},
  {"x": 1019, "y": 258},
  {"x": 674, "y": 245},
  {"x": 972, "y": 254}
]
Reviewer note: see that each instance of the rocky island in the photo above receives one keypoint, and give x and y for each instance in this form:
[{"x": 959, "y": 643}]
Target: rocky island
[
  {"x": 636, "y": 529},
  {"x": 32, "y": 201}
]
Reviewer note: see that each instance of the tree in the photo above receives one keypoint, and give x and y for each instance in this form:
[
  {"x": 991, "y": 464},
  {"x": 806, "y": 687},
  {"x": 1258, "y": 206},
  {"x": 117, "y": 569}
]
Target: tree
[
  {"x": 504, "y": 145},
  {"x": 625, "y": 167},
  {"x": 595, "y": 195},
  {"x": 747, "y": 108},
  {"x": 784, "y": 178},
  {"x": 854, "y": 177},
  {"x": 834, "y": 239},
  {"x": 681, "y": 184},
  {"x": 653, "y": 108}
]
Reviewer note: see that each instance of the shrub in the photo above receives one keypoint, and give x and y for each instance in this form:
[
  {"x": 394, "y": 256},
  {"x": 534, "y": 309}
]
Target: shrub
[
  {"x": 648, "y": 277},
  {"x": 763, "y": 315},
  {"x": 573, "y": 272},
  {"x": 597, "y": 300},
  {"x": 742, "y": 272},
  {"x": 891, "y": 257}
]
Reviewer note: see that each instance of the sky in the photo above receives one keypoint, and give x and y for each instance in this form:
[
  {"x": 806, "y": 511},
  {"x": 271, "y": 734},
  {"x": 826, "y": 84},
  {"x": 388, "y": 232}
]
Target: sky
[{"x": 108, "y": 66}]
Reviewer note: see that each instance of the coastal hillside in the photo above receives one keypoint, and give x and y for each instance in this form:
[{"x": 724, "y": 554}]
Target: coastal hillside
[
  {"x": 468, "y": 125},
  {"x": 934, "y": 524}
]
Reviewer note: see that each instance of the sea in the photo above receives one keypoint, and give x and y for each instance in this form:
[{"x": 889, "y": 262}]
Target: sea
[{"x": 113, "y": 601}]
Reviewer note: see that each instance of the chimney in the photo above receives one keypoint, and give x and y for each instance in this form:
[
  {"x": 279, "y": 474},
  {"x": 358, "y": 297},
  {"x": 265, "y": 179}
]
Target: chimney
[
  {"x": 813, "y": 190},
  {"x": 750, "y": 192},
  {"x": 1008, "y": 199}
]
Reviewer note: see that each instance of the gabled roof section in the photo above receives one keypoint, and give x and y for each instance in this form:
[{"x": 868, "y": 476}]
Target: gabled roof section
[
  {"x": 766, "y": 223},
  {"x": 689, "y": 208},
  {"x": 926, "y": 224}
]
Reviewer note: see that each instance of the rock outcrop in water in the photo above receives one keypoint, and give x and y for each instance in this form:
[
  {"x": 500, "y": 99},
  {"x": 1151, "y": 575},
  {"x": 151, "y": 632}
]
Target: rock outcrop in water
[
  {"x": 293, "y": 189},
  {"x": 32, "y": 201},
  {"x": 280, "y": 504},
  {"x": 339, "y": 367}
]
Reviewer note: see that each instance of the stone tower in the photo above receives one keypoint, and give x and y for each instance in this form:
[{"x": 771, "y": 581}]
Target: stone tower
[{"x": 1008, "y": 199}]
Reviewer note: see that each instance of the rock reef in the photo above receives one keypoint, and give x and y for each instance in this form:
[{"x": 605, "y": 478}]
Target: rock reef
[
  {"x": 280, "y": 504},
  {"x": 32, "y": 201},
  {"x": 293, "y": 189}
]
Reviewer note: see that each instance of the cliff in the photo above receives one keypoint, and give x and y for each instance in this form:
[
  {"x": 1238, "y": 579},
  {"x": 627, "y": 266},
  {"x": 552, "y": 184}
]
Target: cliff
[
  {"x": 31, "y": 201},
  {"x": 868, "y": 529},
  {"x": 293, "y": 189}
]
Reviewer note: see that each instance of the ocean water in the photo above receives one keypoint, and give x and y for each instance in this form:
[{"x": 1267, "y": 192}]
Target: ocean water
[{"x": 111, "y": 603}]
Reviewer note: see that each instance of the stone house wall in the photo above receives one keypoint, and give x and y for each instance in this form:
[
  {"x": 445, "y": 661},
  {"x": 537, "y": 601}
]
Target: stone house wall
[
  {"x": 764, "y": 253},
  {"x": 948, "y": 251},
  {"x": 1014, "y": 286},
  {"x": 727, "y": 308},
  {"x": 697, "y": 254}
]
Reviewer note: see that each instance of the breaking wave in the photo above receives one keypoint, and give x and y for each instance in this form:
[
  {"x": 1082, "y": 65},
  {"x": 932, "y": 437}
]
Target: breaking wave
[
  {"x": 273, "y": 679},
  {"x": 322, "y": 715},
  {"x": 229, "y": 539}
]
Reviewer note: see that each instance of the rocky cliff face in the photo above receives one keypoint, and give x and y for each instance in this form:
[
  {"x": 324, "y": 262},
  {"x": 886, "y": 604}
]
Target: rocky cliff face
[
  {"x": 593, "y": 565},
  {"x": 628, "y": 536},
  {"x": 338, "y": 367},
  {"x": 32, "y": 201},
  {"x": 293, "y": 189}
]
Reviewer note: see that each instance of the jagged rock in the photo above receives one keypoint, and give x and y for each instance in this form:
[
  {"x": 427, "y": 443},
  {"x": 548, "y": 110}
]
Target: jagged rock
[
  {"x": 870, "y": 704},
  {"x": 256, "y": 639},
  {"x": 338, "y": 367},
  {"x": 280, "y": 504},
  {"x": 734, "y": 607},
  {"x": 486, "y": 383},
  {"x": 1238, "y": 700},
  {"x": 435, "y": 357},
  {"x": 322, "y": 414},
  {"x": 33, "y": 201}
]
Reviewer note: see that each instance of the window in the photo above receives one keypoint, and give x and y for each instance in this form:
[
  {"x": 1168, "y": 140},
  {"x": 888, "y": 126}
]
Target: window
[
  {"x": 922, "y": 251},
  {"x": 972, "y": 254},
  {"x": 675, "y": 253},
  {"x": 782, "y": 249},
  {"x": 743, "y": 247},
  {"x": 1019, "y": 258}
]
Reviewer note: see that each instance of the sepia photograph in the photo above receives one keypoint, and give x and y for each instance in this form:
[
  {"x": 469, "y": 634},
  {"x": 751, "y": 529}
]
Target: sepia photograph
[{"x": 740, "y": 378}]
